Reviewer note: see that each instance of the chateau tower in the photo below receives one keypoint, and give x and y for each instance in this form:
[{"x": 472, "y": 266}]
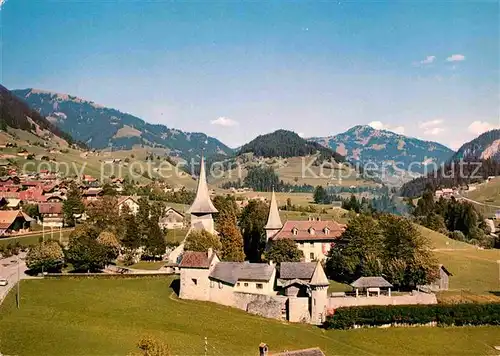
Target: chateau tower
[
  {"x": 202, "y": 208},
  {"x": 319, "y": 295},
  {"x": 273, "y": 220}
]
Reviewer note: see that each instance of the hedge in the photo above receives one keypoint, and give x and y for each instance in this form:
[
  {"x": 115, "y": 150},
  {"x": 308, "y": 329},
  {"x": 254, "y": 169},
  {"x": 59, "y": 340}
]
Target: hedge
[
  {"x": 441, "y": 314},
  {"x": 106, "y": 275}
]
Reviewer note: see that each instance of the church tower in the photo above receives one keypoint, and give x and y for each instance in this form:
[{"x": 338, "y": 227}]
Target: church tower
[
  {"x": 273, "y": 220},
  {"x": 202, "y": 208}
]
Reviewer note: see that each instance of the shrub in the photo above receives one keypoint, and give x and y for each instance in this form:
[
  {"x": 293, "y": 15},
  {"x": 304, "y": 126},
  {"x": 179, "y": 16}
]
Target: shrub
[{"x": 442, "y": 314}]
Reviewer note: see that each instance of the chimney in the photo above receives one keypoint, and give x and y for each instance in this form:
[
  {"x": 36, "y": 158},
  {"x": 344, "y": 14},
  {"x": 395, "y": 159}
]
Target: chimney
[
  {"x": 263, "y": 349},
  {"x": 210, "y": 252}
]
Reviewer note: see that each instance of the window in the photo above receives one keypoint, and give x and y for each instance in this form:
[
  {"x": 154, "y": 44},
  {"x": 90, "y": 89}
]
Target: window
[
  {"x": 220, "y": 285},
  {"x": 245, "y": 284},
  {"x": 294, "y": 231},
  {"x": 238, "y": 284},
  {"x": 195, "y": 281},
  {"x": 311, "y": 231},
  {"x": 326, "y": 231},
  {"x": 260, "y": 286},
  {"x": 311, "y": 256},
  {"x": 311, "y": 244},
  {"x": 301, "y": 244}
]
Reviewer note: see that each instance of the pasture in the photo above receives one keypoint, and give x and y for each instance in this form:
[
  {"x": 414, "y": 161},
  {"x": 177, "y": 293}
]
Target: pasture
[{"x": 109, "y": 316}]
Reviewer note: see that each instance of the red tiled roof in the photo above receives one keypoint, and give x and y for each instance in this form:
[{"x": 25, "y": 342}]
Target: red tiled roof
[
  {"x": 195, "y": 260},
  {"x": 33, "y": 195},
  {"x": 7, "y": 217},
  {"x": 50, "y": 208},
  {"x": 323, "y": 230}
]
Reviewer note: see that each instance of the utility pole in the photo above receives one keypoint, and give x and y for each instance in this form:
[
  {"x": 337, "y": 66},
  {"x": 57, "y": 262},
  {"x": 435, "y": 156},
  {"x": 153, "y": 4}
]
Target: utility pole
[{"x": 18, "y": 283}]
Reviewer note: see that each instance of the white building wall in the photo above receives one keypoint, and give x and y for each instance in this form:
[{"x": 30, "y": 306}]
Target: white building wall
[
  {"x": 221, "y": 293},
  {"x": 298, "y": 310},
  {"x": 319, "y": 250},
  {"x": 194, "y": 284}
]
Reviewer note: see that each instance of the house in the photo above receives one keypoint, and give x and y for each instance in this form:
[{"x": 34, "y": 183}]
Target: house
[
  {"x": 92, "y": 193},
  {"x": 172, "y": 219},
  {"x": 32, "y": 196},
  {"x": 13, "y": 221},
  {"x": 314, "y": 237},
  {"x": 130, "y": 202},
  {"x": 299, "y": 296},
  {"x": 52, "y": 214},
  {"x": 13, "y": 204},
  {"x": 442, "y": 282}
]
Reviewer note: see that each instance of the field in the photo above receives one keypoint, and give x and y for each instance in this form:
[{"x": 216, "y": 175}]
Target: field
[
  {"x": 109, "y": 316},
  {"x": 487, "y": 195},
  {"x": 34, "y": 238}
]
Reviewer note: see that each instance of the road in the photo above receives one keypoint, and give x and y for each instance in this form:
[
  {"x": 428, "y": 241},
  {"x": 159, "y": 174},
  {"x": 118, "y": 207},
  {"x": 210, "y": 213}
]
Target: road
[
  {"x": 478, "y": 203},
  {"x": 8, "y": 270}
]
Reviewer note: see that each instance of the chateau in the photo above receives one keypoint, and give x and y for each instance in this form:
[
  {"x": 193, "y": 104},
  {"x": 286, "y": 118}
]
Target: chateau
[
  {"x": 298, "y": 293},
  {"x": 313, "y": 237}
]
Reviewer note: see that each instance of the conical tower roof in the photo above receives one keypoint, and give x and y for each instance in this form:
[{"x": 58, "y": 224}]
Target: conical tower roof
[
  {"x": 273, "y": 220},
  {"x": 319, "y": 277},
  {"x": 202, "y": 203}
]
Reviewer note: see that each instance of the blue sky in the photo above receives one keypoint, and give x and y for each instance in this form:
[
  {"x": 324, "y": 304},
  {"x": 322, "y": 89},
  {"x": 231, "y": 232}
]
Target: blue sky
[{"x": 238, "y": 69}]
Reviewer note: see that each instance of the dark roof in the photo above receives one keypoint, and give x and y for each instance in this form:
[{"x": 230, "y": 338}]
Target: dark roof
[
  {"x": 193, "y": 259},
  {"x": 445, "y": 270},
  {"x": 314, "y": 351},
  {"x": 232, "y": 272},
  {"x": 299, "y": 270},
  {"x": 370, "y": 282}
]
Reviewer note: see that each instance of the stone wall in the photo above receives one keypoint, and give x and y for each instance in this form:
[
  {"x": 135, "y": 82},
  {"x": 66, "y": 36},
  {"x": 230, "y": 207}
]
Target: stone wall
[
  {"x": 264, "y": 305},
  {"x": 413, "y": 298},
  {"x": 298, "y": 310},
  {"x": 194, "y": 284}
]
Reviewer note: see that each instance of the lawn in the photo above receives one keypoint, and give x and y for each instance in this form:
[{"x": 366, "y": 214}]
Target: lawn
[
  {"x": 109, "y": 316},
  {"x": 33, "y": 239}
]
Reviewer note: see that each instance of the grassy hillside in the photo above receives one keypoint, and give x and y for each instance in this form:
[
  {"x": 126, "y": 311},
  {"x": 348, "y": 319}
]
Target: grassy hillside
[
  {"x": 295, "y": 170},
  {"x": 487, "y": 194},
  {"x": 108, "y": 317},
  {"x": 476, "y": 272}
]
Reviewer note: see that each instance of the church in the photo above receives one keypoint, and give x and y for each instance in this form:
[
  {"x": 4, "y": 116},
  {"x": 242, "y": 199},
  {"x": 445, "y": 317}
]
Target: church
[{"x": 297, "y": 293}]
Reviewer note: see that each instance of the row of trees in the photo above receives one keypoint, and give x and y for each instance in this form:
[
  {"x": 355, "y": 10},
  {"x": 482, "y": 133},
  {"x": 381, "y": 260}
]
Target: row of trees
[
  {"x": 390, "y": 246},
  {"x": 458, "y": 219}
]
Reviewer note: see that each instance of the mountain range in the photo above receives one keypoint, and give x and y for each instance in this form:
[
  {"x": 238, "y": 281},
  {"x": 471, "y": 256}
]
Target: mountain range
[
  {"x": 101, "y": 127},
  {"x": 364, "y": 144},
  {"x": 485, "y": 146}
]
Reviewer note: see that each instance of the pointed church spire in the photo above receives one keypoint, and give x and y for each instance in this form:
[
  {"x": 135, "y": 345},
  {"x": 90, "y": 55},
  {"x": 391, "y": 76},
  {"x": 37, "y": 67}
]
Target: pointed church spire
[
  {"x": 273, "y": 220},
  {"x": 202, "y": 203}
]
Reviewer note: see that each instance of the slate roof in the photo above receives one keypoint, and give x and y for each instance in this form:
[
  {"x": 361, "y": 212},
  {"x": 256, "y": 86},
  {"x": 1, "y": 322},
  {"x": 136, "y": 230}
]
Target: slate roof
[
  {"x": 194, "y": 259},
  {"x": 324, "y": 230},
  {"x": 297, "y": 270},
  {"x": 370, "y": 282},
  {"x": 232, "y": 272},
  {"x": 314, "y": 351}
]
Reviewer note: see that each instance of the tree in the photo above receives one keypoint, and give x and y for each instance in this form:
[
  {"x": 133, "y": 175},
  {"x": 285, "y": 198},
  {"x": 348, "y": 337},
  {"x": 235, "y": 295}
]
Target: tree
[
  {"x": 231, "y": 239},
  {"x": 72, "y": 205},
  {"x": 87, "y": 254},
  {"x": 108, "y": 189},
  {"x": 152, "y": 347},
  {"x": 104, "y": 215},
  {"x": 320, "y": 195},
  {"x": 226, "y": 205},
  {"x": 155, "y": 244},
  {"x": 31, "y": 210},
  {"x": 108, "y": 239},
  {"x": 201, "y": 240},
  {"x": 284, "y": 250},
  {"x": 404, "y": 242},
  {"x": 252, "y": 220},
  {"x": 131, "y": 237},
  {"x": 45, "y": 256},
  {"x": 359, "y": 251}
]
